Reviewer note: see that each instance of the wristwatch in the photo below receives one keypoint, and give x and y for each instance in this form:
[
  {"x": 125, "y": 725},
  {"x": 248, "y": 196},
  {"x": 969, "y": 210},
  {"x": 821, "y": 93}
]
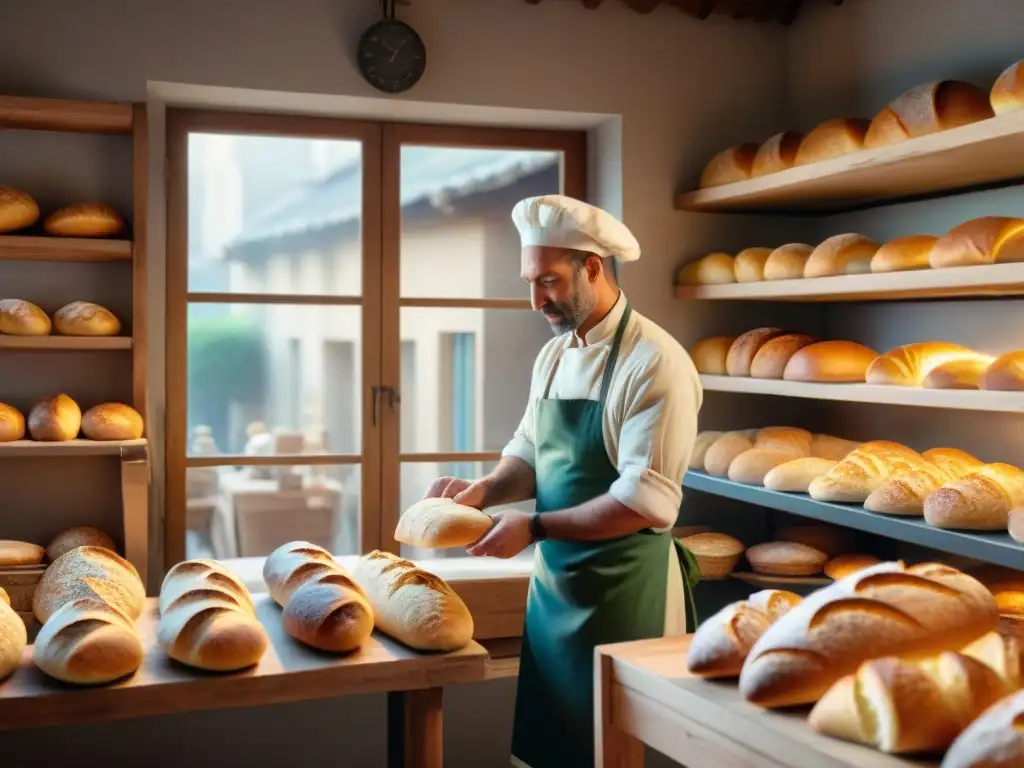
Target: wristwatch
[{"x": 536, "y": 528}]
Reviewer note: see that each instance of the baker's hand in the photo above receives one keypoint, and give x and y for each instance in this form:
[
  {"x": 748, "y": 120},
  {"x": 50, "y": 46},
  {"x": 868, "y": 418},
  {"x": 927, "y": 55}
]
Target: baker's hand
[
  {"x": 509, "y": 535},
  {"x": 471, "y": 494}
]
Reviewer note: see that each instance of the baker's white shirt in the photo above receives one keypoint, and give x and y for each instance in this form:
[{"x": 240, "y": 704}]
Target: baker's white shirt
[{"x": 650, "y": 416}]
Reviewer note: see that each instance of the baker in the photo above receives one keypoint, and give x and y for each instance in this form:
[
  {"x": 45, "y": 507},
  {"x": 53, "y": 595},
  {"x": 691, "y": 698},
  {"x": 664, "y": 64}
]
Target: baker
[{"x": 602, "y": 447}]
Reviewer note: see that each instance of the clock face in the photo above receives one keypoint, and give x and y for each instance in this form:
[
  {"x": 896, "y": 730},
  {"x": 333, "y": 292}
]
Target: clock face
[{"x": 392, "y": 56}]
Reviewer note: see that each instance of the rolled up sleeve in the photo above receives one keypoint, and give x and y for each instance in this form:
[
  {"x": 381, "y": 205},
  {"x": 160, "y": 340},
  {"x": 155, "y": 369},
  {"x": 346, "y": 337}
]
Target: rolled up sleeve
[{"x": 522, "y": 444}]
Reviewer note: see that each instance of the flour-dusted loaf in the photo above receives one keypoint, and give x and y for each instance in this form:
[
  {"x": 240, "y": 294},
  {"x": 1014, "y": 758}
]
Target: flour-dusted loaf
[
  {"x": 965, "y": 373},
  {"x": 79, "y": 536},
  {"x": 711, "y": 269},
  {"x": 84, "y": 220},
  {"x": 292, "y": 564},
  {"x": 777, "y": 153},
  {"x": 438, "y": 523},
  {"x": 93, "y": 572},
  {"x": 13, "y": 552},
  {"x": 770, "y": 360},
  {"x": 928, "y": 108},
  {"x": 55, "y": 419},
  {"x": 23, "y": 318},
  {"x": 84, "y": 318},
  {"x": 787, "y": 262},
  {"x": 785, "y": 558},
  {"x": 904, "y": 253},
  {"x": 908, "y": 365},
  {"x": 413, "y": 605},
  {"x": 13, "y": 636},
  {"x": 17, "y": 210},
  {"x": 1007, "y": 94},
  {"x": 729, "y": 165},
  {"x": 795, "y": 475},
  {"x": 888, "y": 609},
  {"x": 749, "y": 264},
  {"x": 832, "y": 138},
  {"x": 1005, "y": 373},
  {"x": 994, "y": 740},
  {"x": 112, "y": 421},
  {"x": 905, "y": 492},
  {"x": 984, "y": 240},
  {"x": 846, "y": 254},
  {"x": 701, "y": 443},
  {"x": 741, "y": 352},
  {"x": 708, "y": 355},
  {"x": 830, "y": 362},
  {"x": 864, "y": 470},
  {"x": 12, "y": 424},
  {"x": 88, "y": 642},
  {"x": 978, "y": 501}
]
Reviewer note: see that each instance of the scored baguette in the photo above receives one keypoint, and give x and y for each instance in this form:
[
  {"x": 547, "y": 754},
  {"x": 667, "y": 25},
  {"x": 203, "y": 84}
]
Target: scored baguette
[
  {"x": 89, "y": 572},
  {"x": 978, "y": 501},
  {"x": 994, "y": 740},
  {"x": 904, "y": 494},
  {"x": 863, "y": 471},
  {"x": 908, "y": 365}
]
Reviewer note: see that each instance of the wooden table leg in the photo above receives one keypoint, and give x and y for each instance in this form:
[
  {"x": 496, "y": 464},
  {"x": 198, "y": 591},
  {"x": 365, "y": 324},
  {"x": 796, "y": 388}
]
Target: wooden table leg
[
  {"x": 613, "y": 747},
  {"x": 415, "y": 729}
]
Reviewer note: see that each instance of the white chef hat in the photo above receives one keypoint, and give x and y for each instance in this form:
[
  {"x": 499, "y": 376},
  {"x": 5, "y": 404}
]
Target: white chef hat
[{"x": 564, "y": 222}]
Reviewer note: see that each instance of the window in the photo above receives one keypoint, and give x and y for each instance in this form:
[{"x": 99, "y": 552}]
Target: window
[{"x": 461, "y": 405}]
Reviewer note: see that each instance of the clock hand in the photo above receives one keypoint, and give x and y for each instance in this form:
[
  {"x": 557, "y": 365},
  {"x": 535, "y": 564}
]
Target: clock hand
[
  {"x": 396, "y": 50},
  {"x": 385, "y": 44}
]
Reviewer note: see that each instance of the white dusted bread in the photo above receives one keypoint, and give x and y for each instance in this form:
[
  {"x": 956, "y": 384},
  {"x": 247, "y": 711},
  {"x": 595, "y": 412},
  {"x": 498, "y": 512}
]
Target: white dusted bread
[
  {"x": 88, "y": 642},
  {"x": 89, "y": 572},
  {"x": 83, "y": 318},
  {"x": 994, "y": 740},
  {"x": 413, "y": 605},
  {"x": 438, "y": 523},
  {"x": 23, "y": 318},
  {"x": 292, "y": 564},
  {"x": 55, "y": 419},
  {"x": 887, "y": 609},
  {"x": 13, "y": 636},
  {"x": 112, "y": 421}
]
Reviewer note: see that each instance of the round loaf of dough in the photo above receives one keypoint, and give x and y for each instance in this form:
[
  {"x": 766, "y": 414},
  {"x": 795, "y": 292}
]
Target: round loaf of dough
[
  {"x": 79, "y": 536},
  {"x": 20, "y": 553},
  {"x": 23, "y": 318},
  {"x": 112, "y": 421},
  {"x": 786, "y": 558},
  {"x": 12, "y": 424},
  {"x": 83, "y": 318},
  {"x": 89, "y": 572},
  {"x": 17, "y": 210},
  {"x": 55, "y": 419},
  {"x": 709, "y": 355},
  {"x": 84, "y": 220}
]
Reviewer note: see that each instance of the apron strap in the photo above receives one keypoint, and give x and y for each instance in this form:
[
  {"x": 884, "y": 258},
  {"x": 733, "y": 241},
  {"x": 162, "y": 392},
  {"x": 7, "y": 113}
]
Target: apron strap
[{"x": 613, "y": 356}]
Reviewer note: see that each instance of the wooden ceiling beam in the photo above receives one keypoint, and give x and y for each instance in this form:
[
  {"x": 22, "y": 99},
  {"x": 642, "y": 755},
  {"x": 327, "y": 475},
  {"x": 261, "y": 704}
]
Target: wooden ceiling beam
[{"x": 760, "y": 11}]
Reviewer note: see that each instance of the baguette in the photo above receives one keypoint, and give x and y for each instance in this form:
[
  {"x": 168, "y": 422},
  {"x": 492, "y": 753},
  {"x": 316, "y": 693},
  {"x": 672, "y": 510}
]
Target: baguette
[
  {"x": 830, "y": 361},
  {"x": 776, "y": 154},
  {"x": 904, "y": 253},
  {"x": 1005, "y": 373},
  {"x": 729, "y": 165},
  {"x": 795, "y": 475},
  {"x": 846, "y": 254},
  {"x": 439, "y": 523},
  {"x": 994, "y": 740},
  {"x": 703, "y": 441},
  {"x": 905, "y": 493},
  {"x": 712, "y": 269},
  {"x": 1007, "y": 92},
  {"x": 709, "y": 354},
  {"x": 984, "y": 240},
  {"x": 752, "y": 466},
  {"x": 13, "y": 636},
  {"x": 952, "y": 461},
  {"x": 863, "y": 471},
  {"x": 742, "y": 350},
  {"x": 292, "y": 564},
  {"x": 965, "y": 373},
  {"x": 832, "y": 138},
  {"x": 979, "y": 501},
  {"x": 907, "y": 366},
  {"x": 887, "y": 609},
  {"x": 89, "y": 572},
  {"x": 412, "y": 605},
  {"x": 928, "y": 108},
  {"x": 787, "y": 262},
  {"x": 749, "y": 264},
  {"x": 770, "y": 360}
]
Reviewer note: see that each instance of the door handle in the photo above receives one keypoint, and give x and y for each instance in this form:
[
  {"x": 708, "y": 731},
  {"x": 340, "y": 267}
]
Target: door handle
[
  {"x": 393, "y": 399},
  {"x": 375, "y": 396}
]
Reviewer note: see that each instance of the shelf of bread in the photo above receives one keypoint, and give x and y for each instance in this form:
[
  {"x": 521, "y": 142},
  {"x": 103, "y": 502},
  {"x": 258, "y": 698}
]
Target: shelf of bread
[
  {"x": 939, "y": 137},
  {"x": 79, "y": 325},
  {"x": 54, "y": 425},
  {"x": 74, "y": 232}
]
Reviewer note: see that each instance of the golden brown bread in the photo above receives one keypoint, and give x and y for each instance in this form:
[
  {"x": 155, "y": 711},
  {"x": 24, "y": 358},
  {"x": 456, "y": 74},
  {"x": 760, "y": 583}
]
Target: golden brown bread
[
  {"x": 770, "y": 360},
  {"x": 979, "y": 501},
  {"x": 832, "y": 138},
  {"x": 17, "y": 210},
  {"x": 841, "y": 566},
  {"x": 830, "y": 361},
  {"x": 112, "y": 421},
  {"x": 88, "y": 642},
  {"x": 438, "y": 523},
  {"x": 952, "y": 461},
  {"x": 776, "y": 154},
  {"x": 887, "y": 609},
  {"x": 1005, "y": 373},
  {"x": 84, "y": 220},
  {"x": 794, "y": 439},
  {"x": 23, "y": 318},
  {"x": 294, "y": 563},
  {"x": 729, "y": 165},
  {"x": 787, "y": 262},
  {"x": 845, "y": 254},
  {"x": 831, "y": 447},
  {"x": 795, "y": 475},
  {"x": 79, "y": 536},
  {"x": 905, "y": 492},
  {"x": 55, "y": 419},
  {"x": 708, "y": 355},
  {"x": 785, "y": 558},
  {"x": 20, "y": 553},
  {"x": 965, "y": 373},
  {"x": 12, "y": 424},
  {"x": 864, "y": 470},
  {"x": 928, "y": 108},
  {"x": 830, "y": 539},
  {"x": 13, "y": 636},
  {"x": 89, "y": 572},
  {"x": 83, "y": 318},
  {"x": 721, "y": 453},
  {"x": 994, "y": 740},
  {"x": 701, "y": 443},
  {"x": 1003, "y": 654},
  {"x": 741, "y": 352},
  {"x": 984, "y": 240},
  {"x": 711, "y": 269},
  {"x": 748, "y": 265},
  {"x": 1007, "y": 94},
  {"x": 907, "y": 366},
  {"x": 752, "y": 466},
  {"x": 904, "y": 253}
]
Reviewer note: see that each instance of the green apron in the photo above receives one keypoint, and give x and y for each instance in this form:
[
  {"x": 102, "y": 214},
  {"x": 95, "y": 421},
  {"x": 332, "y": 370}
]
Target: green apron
[{"x": 582, "y": 593}]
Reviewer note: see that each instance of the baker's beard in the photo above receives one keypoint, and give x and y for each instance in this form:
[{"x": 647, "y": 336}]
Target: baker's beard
[{"x": 565, "y": 316}]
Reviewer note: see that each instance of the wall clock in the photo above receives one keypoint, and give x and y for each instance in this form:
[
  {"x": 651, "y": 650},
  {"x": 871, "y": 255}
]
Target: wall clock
[{"x": 392, "y": 57}]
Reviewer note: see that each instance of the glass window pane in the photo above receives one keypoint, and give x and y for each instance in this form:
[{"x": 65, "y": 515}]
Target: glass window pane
[
  {"x": 457, "y": 238},
  {"x": 269, "y": 214}
]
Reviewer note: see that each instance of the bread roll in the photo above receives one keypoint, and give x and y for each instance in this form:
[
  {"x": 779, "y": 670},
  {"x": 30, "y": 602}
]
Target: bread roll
[
  {"x": 832, "y": 138},
  {"x": 899, "y": 706},
  {"x": 20, "y": 553},
  {"x": 87, "y": 641},
  {"x": 1005, "y": 373},
  {"x": 723, "y": 640},
  {"x": 84, "y": 220},
  {"x": 887, "y": 609},
  {"x": 770, "y": 360},
  {"x": 1015, "y": 524},
  {"x": 908, "y": 365},
  {"x": 830, "y": 539},
  {"x": 703, "y": 441},
  {"x": 439, "y": 523},
  {"x": 729, "y": 165},
  {"x": 709, "y": 354},
  {"x": 830, "y": 361},
  {"x": 412, "y": 605},
  {"x": 12, "y": 424},
  {"x": 841, "y": 566},
  {"x": 863, "y": 471},
  {"x": 928, "y": 108},
  {"x": 712, "y": 269},
  {"x": 749, "y": 264},
  {"x": 89, "y": 572},
  {"x": 984, "y": 240},
  {"x": 55, "y": 419},
  {"x": 785, "y": 558},
  {"x": 787, "y": 262},
  {"x": 292, "y": 564},
  {"x": 112, "y": 421},
  {"x": 17, "y": 210},
  {"x": 846, "y": 254},
  {"x": 964, "y": 373},
  {"x": 994, "y": 740},
  {"x": 13, "y": 637},
  {"x": 777, "y": 154},
  {"x": 80, "y": 536},
  {"x": 23, "y": 318},
  {"x": 207, "y": 619},
  {"x": 831, "y": 447},
  {"x": 751, "y": 466},
  {"x": 904, "y": 253},
  {"x": 1004, "y": 655},
  {"x": 795, "y": 475},
  {"x": 83, "y": 318},
  {"x": 741, "y": 352},
  {"x": 722, "y": 452},
  {"x": 979, "y": 501},
  {"x": 1007, "y": 94}
]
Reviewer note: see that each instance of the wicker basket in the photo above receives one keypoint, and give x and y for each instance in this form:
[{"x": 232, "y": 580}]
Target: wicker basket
[{"x": 716, "y": 553}]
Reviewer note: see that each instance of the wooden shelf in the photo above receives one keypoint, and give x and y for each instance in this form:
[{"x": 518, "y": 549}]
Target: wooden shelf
[
  {"x": 955, "y": 282},
  {"x": 65, "y": 115},
  {"x": 69, "y": 448},
  {"x": 996, "y": 548},
  {"x": 19, "y": 248},
  {"x": 985, "y": 153},
  {"x": 66, "y": 343},
  {"x": 959, "y": 399}
]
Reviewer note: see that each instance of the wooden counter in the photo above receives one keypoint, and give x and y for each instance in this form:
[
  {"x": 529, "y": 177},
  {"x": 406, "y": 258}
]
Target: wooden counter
[
  {"x": 288, "y": 672},
  {"x": 644, "y": 695}
]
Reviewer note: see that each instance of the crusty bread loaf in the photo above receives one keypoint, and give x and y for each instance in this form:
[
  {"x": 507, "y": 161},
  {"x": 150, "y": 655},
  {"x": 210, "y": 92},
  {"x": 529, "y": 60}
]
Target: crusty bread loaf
[
  {"x": 1007, "y": 94},
  {"x": 87, "y": 642},
  {"x": 905, "y": 492},
  {"x": 12, "y": 424},
  {"x": 984, "y": 240},
  {"x": 1003, "y": 654},
  {"x": 899, "y": 706},
  {"x": 887, "y": 609},
  {"x": 845, "y": 254},
  {"x": 13, "y": 636},
  {"x": 830, "y": 539},
  {"x": 83, "y": 318},
  {"x": 907, "y": 366},
  {"x": 89, "y": 572},
  {"x": 711, "y": 269},
  {"x": 751, "y": 466},
  {"x": 776, "y": 154},
  {"x": 722, "y": 452},
  {"x": 708, "y": 355},
  {"x": 84, "y": 220},
  {"x": 412, "y": 605},
  {"x": 904, "y": 253},
  {"x": 742, "y": 350},
  {"x": 994, "y": 740},
  {"x": 793, "y": 439},
  {"x": 964, "y": 373},
  {"x": 787, "y": 262},
  {"x": 795, "y": 475},
  {"x": 20, "y": 553},
  {"x": 112, "y": 421},
  {"x": 729, "y": 165},
  {"x": 785, "y": 558},
  {"x": 952, "y": 461},
  {"x": 832, "y": 138},
  {"x": 722, "y": 641},
  {"x": 749, "y": 264},
  {"x": 701, "y": 443},
  {"x": 928, "y": 108},
  {"x": 1005, "y": 373},
  {"x": 841, "y": 566},
  {"x": 55, "y": 419},
  {"x": 770, "y": 360},
  {"x": 17, "y": 210},
  {"x": 23, "y": 318},
  {"x": 864, "y": 470},
  {"x": 292, "y": 564},
  {"x": 438, "y": 523},
  {"x": 831, "y": 447},
  {"x": 1015, "y": 524},
  {"x": 979, "y": 501},
  {"x": 79, "y": 536},
  {"x": 830, "y": 361}
]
